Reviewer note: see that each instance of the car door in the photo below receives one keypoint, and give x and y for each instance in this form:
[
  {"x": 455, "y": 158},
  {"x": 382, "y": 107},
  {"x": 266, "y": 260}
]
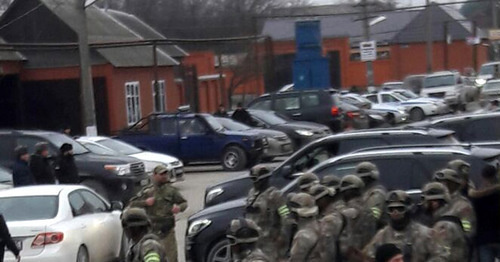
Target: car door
[
  {"x": 197, "y": 139},
  {"x": 312, "y": 109},
  {"x": 261, "y": 104},
  {"x": 483, "y": 132},
  {"x": 373, "y": 98},
  {"x": 289, "y": 105},
  {"x": 163, "y": 136}
]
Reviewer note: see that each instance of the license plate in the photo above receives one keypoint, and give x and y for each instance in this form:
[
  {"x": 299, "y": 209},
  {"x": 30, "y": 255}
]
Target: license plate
[{"x": 144, "y": 182}]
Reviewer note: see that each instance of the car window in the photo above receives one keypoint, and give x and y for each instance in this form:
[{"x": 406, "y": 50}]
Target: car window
[
  {"x": 486, "y": 129},
  {"x": 192, "y": 126},
  {"x": 310, "y": 100},
  {"x": 458, "y": 127},
  {"x": 31, "y": 141},
  {"x": 262, "y": 105},
  {"x": 33, "y": 207},
  {"x": 349, "y": 145},
  {"x": 287, "y": 103},
  {"x": 78, "y": 205},
  {"x": 340, "y": 170},
  {"x": 372, "y": 98},
  {"x": 100, "y": 150},
  {"x": 386, "y": 98},
  {"x": 93, "y": 201},
  {"x": 314, "y": 157},
  {"x": 166, "y": 126},
  {"x": 7, "y": 147},
  {"x": 415, "y": 139}
]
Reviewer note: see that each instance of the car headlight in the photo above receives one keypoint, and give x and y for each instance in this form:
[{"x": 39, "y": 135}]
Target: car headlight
[
  {"x": 120, "y": 170},
  {"x": 213, "y": 194},
  {"x": 304, "y": 132},
  {"x": 197, "y": 226},
  {"x": 480, "y": 82}
]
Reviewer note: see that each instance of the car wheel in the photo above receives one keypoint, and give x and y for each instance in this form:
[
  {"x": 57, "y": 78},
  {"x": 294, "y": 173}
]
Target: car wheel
[
  {"x": 97, "y": 186},
  {"x": 82, "y": 255},
  {"x": 234, "y": 159},
  {"x": 391, "y": 119},
  {"x": 417, "y": 114},
  {"x": 220, "y": 252}
]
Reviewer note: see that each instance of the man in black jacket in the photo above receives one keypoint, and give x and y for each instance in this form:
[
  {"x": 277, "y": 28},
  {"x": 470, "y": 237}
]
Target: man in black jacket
[
  {"x": 21, "y": 174},
  {"x": 40, "y": 165},
  {"x": 241, "y": 115},
  {"x": 68, "y": 172},
  {"x": 6, "y": 241}
]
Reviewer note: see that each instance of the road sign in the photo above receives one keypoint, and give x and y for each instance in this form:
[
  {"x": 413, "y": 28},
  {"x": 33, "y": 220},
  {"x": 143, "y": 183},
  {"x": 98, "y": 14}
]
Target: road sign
[
  {"x": 368, "y": 50},
  {"x": 472, "y": 40},
  {"x": 494, "y": 34}
]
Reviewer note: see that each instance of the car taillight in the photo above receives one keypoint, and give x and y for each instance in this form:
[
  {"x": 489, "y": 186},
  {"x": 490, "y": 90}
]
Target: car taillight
[
  {"x": 335, "y": 111},
  {"x": 47, "y": 239},
  {"x": 353, "y": 114}
]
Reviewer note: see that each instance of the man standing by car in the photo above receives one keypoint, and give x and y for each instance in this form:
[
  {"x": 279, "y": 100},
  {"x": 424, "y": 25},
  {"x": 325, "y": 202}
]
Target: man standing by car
[
  {"x": 241, "y": 115},
  {"x": 221, "y": 111},
  {"x": 162, "y": 202},
  {"x": 68, "y": 172},
  {"x": 40, "y": 165},
  {"x": 145, "y": 247},
  {"x": 21, "y": 174}
]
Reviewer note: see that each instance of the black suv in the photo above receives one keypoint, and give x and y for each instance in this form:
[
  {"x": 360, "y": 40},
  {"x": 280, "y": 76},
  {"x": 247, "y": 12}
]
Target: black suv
[
  {"x": 405, "y": 168},
  {"x": 320, "y": 106},
  {"x": 480, "y": 129},
  {"x": 113, "y": 177},
  {"x": 328, "y": 147}
]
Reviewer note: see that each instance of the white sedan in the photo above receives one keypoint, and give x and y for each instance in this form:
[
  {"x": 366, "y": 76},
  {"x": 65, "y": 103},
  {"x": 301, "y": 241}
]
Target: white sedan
[
  {"x": 62, "y": 223},
  {"x": 150, "y": 159}
]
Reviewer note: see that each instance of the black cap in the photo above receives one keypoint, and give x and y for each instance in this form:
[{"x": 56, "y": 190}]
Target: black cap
[
  {"x": 20, "y": 150},
  {"x": 387, "y": 251},
  {"x": 66, "y": 147}
]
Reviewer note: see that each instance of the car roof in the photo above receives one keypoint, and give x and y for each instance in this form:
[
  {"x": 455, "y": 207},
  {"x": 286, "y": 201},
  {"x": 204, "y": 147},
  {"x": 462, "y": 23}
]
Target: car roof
[
  {"x": 494, "y": 81},
  {"x": 442, "y": 73},
  {"x": 491, "y": 63},
  {"x": 393, "y": 83},
  {"x": 28, "y": 132},
  {"x": 92, "y": 138},
  {"x": 463, "y": 117},
  {"x": 45, "y": 190}
]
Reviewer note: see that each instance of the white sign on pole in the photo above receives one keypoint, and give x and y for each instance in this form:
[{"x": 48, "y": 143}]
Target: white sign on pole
[
  {"x": 368, "y": 50},
  {"x": 494, "y": 34},
  {"x": 471, "y": 40}
]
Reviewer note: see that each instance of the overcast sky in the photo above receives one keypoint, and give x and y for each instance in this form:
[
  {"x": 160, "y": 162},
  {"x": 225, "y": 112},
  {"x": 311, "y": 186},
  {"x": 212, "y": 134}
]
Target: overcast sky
[{"x": 402, "y": 2}]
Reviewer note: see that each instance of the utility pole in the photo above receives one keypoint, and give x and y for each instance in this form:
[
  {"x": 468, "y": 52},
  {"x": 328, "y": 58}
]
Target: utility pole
[
  {"x": 445, "y": 53},
  {"x": 158, "y": 98},
  {"x": 428, "y": 34},
  {"x": 474, "y": 47},
  {"x": 366, "y": 34},
  {"x": 494, "y": 16},
  {"x": 86, "y": 86}
]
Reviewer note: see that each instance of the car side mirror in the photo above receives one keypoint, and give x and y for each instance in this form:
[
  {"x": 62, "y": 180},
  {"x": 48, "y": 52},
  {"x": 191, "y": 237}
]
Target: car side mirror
[
  {"x": 116, "y": 206},
  {"x": 286, "y": 170}
]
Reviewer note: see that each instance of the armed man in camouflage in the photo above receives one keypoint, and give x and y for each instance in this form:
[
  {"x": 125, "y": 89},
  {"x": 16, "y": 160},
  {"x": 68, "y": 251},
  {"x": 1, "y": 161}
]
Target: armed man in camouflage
[
  {"x": 413, "y": 239},
  {"x": 306, "y": 181},
  {"x": 162, "y": 202},
  {"x": 243, "y": 235},
  {"x": 305, "y": 246},
  {"x": 145, "y": 247},
  {"x": 324, "y": 197},
  {"x": 333, "y": 183},
  {"x": 462, "y": 168},
  {"x": 448, "y": 233},
  {"x": 459, "y": 205},
  {"x": 266, "y": 206},
  {"x": 374, "y": 194}
]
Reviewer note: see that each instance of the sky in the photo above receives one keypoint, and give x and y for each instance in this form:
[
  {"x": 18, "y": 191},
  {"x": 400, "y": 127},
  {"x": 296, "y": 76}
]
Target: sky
[{"x": 402, "y": 2}]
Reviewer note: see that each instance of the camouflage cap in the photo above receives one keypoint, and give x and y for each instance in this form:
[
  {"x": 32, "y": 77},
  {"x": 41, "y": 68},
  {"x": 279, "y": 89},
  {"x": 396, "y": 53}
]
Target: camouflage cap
[
  {"x": 367, "y": 169},
  {"x": 160, "y": 169},
  {"x": 435, "y": 191},
  {"x": 351, "y": 182},
  {"x": 398, "y": 198},
  {"x": 320, "y": 191},
  {"x": 331, "y": 181},
  {"x": 304, "y": 205},
  {"x": 135, "y": 217},
  {"x": 460, "y": 166},
  {"x": 307, "y": 180},
  {"x": 448, "y": 175}
]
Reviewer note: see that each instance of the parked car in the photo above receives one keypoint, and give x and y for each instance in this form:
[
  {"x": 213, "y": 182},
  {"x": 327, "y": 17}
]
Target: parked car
[
  {"x": 491, "y": 90},
  {"x": 400, "y": 168},
  {"x": 279, "y": 144},
  {"x": 414, "y": 83},
  {"x": 5, "y": 178},
  {"x": 391, "y": 86},
  {"x": 449, "y": 86},
  {"x": 300, "y": 132},
  {"x": 380, "y": 115},
  {"x": 62, "y": 223},
  {"x": 194, "y": 137},
  {"x": 113, "y": 177},
  {"x": 480, "y": 129},
  {"x": 334, "y": 145},
  {"x": 486, "y": 73},
  {"x": 319, "y": 106},
  {"x": 150, "y": 159},
  {"x": 418, "y": 108}
]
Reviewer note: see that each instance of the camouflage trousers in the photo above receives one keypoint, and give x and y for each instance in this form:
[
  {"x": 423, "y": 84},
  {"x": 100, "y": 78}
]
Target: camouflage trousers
[{"x": 170, "y": 244}]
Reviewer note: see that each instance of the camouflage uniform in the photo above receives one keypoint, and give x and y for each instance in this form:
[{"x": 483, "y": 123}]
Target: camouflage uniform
[
  {"x": 244, "y": 234},
  {"x": 413, "y": 239},
  {"x": 305, "y": 246},
  {"x": 374, "y": 194},
  {"x": 306, "y": 181},
  {"x": 148, "y": 248},
  {"x": 333, "y": 183},
  {"x": 459, "y": 205},
  {"x": 160, "y": 213},
  {"x": 331, "y": 227},
  {"x": 448, "y": 233}
]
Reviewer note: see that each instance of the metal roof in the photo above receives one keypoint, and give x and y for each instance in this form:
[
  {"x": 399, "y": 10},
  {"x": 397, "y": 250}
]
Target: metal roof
[
  {"x": 10, "y": 55},
  {"x": 145, "y": 31},
  {"x": 102, "y": 27}
]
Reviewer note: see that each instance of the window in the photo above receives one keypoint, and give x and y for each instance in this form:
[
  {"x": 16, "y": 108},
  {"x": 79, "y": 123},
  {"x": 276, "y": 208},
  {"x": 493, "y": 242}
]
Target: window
[
  {"x": 388, "y": 98},
  {"x": 77, "y": 204},
  {"x": 159, "y": 100},
  {"x": 132, "y": 97},
  {"x": 93, "y": 201},
  {"x": 310, "y": 100},
  {"x": 30, "y": 142},
  {"x": 192, "y": 126},
  {"x": 262, "y": 105},
  {"x": 287, "y": 103},
  {"x": 33, "y": 207},
  {"x": 372, "y": 98},
  {"x": 487, "y": 129},
  {"x": 167, "y": 126},
  {"x": 7, "y": 151},
  {"x": 349, "y": 145},
  {"x": 85, "y": 202},
  {"x": 316, "y": 156}
]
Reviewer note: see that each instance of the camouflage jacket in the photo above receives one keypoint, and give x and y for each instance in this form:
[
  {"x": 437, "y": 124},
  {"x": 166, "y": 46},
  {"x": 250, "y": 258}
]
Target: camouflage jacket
[
  {"x": 415, "y": 241},
  {"x": 449, "y": 235},
  {"x": 306, "y": 246},
  {"x": 160, "y": 213},
  {"x": 462, "y": 208},
  {"x": 148, "y": 249},
  {"x": 330, "y": 227},
  {"x": 374, "y": 199}
]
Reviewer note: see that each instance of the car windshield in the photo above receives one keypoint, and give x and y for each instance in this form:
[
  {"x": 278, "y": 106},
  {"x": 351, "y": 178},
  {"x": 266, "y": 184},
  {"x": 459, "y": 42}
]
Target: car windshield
[
  {"x": 487, "y": 70},
  {"x": 230, "y": 124},
  {"x": 59, "y": 139},
  {"x": 25, "y": 208},
  {"x": 100, "y": 150},
  {"x": 492, "y": 85},
  {"x": 437, "y": 81},
  {"x": 269, "y": 118},
  {"x": 399, "y": 96},
  {"x": 5, "y": 176},
  {"x": 408, "y": 94},
  {"x": 119, "y": 146},
  {"x": 214, "y": 123}
]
